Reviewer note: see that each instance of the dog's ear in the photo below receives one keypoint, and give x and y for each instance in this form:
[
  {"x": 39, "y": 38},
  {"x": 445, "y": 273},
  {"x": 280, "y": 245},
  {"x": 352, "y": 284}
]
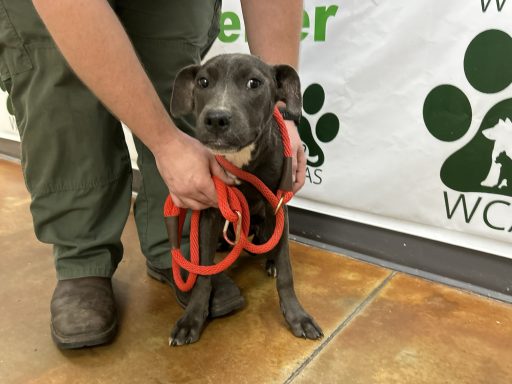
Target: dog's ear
[
  {"x": 182, "y": 98},
  {"x": 288, "y": 88}
]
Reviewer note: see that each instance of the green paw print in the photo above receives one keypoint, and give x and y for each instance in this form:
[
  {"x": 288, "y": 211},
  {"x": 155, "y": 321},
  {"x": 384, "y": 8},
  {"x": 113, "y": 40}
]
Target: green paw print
[
  {"x": 326, "y": 129},
  {"x": 482, "y": 165}
]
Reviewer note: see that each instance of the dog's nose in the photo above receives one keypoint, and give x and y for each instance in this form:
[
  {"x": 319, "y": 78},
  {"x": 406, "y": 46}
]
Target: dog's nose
[{"x": 217, "y": 119}]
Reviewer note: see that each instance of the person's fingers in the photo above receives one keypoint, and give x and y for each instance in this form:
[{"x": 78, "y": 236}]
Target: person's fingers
[
  {"x": 218, "y": 171},
  {"x": 294, "y": 168},
  {"x": 206, "y": 190},
  {"x": 209, "y": 197},
  {"x": 190, "y": 203},
  {"x": 296, "y": 146},
  {"x": 176, "y": 200},
  {"x": 195, "y": 205},
  {"x": 300, "y": 175}
]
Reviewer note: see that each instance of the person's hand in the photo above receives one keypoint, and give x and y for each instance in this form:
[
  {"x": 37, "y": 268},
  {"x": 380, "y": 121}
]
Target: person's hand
[
  {"x": 299, "y": 158},
  {"x": 187, "y": 168}
]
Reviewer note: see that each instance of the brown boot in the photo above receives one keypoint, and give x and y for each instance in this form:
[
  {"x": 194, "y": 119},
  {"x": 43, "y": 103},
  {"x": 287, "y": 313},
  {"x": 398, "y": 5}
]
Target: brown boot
[{"x": 83, "y": 312}]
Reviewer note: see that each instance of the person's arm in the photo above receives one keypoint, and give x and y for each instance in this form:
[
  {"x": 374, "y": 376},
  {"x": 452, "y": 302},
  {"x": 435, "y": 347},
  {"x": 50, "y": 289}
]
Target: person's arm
[
  {"x": 95, "y": 45},
  {"x": 273, "y": 31}
]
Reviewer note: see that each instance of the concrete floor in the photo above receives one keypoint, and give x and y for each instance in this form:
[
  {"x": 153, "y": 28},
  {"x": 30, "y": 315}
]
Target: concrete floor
[{"x": 380, "y": 326}]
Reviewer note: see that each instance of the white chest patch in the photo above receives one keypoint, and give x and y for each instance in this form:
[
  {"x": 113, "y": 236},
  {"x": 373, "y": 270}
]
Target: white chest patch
[{"x": 240, "y": 158}]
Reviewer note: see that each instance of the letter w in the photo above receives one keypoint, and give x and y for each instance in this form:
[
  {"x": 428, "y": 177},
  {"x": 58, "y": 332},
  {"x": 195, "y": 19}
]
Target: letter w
[
  {"x": 462, "y": 198},
  {"x": 499, "y": 4}
]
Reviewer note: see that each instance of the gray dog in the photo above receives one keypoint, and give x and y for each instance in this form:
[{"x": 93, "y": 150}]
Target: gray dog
[{"x": 232, "y": 98}]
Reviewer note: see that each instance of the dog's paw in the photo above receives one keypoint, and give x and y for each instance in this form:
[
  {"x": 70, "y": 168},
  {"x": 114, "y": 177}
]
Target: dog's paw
[
  {"x": 270, "y": 267},
  {"x": 303, "y": 325},
  {"x": 187, "y": 330}
]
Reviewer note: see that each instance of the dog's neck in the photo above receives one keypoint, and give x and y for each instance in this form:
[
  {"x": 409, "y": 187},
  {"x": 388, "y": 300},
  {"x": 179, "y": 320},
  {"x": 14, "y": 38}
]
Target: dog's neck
[{"x": 241, "y": 157}]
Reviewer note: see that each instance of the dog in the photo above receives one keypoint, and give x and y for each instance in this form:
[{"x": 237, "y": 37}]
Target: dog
[
  {"x": 232, "y": 98},
  {"x": 505, "y": 179}
]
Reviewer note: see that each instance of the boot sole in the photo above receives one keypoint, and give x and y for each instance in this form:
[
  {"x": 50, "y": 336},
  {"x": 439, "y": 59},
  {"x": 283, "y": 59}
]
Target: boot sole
[
  {"x": 82, "y": 341},
  {"x": 228, "y": 307}
]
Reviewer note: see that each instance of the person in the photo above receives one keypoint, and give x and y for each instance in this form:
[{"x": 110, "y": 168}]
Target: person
[{"x": 74, "y": 70}]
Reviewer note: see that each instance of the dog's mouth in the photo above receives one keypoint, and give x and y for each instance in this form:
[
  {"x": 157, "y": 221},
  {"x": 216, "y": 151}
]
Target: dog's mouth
[
  {"x": 219, "y": 147},
  {"x": 228, "y": 142}
]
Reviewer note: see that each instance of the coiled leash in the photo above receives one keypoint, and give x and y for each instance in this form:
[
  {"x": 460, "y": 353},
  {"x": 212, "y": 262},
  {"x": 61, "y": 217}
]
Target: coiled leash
[{"x": 234, "y": 208}]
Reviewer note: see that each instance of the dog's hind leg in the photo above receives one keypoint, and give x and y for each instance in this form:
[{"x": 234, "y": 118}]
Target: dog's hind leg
[
  {"x": 262, "y": 233},
  {"x": 300, "y": 322},
  {"x": 270, "y": 264},
  {"x": 188, "y": 328}
]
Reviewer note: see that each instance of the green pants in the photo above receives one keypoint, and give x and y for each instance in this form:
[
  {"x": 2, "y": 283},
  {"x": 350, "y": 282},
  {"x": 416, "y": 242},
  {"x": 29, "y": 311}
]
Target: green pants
[{"x": 74, "y": 156}]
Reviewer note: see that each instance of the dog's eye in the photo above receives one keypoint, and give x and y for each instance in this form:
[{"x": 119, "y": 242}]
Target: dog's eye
[
  {"x": 253, "y": 83},
  {"x": 203, "y": 82}
]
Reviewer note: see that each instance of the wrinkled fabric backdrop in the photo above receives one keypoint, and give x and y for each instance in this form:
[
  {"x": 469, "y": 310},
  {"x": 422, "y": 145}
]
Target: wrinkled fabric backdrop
[{"x": 407, "y": 114}]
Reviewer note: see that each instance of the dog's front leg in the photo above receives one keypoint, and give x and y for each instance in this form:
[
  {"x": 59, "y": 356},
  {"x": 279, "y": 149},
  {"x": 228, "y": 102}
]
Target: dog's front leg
[
  {"x": 300, "y": 322},
  {"x": 188, "y": 328}
]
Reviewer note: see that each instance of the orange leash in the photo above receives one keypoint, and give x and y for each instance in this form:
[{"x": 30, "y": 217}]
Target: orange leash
[{"x": 234, "y": 208}]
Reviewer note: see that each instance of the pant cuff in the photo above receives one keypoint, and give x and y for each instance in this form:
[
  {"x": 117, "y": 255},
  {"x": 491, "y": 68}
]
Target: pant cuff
[{"x": 74, "y": 273}]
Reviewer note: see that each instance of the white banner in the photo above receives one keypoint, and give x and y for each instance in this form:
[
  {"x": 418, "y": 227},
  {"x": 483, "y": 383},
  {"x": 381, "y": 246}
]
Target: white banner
[
  {"x": 397, "y": 95},
  {"x": 407, "y": 114}
]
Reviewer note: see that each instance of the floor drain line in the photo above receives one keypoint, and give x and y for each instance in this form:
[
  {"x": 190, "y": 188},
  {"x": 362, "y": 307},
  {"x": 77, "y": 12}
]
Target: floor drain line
[{"x": 340, "y": 327}]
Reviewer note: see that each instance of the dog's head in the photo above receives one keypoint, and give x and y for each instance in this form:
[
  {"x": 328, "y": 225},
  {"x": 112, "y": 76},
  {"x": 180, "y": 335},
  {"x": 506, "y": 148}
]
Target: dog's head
[
  {"x": 233, "y": 97},
  {"x": 503, "y": 159}
]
